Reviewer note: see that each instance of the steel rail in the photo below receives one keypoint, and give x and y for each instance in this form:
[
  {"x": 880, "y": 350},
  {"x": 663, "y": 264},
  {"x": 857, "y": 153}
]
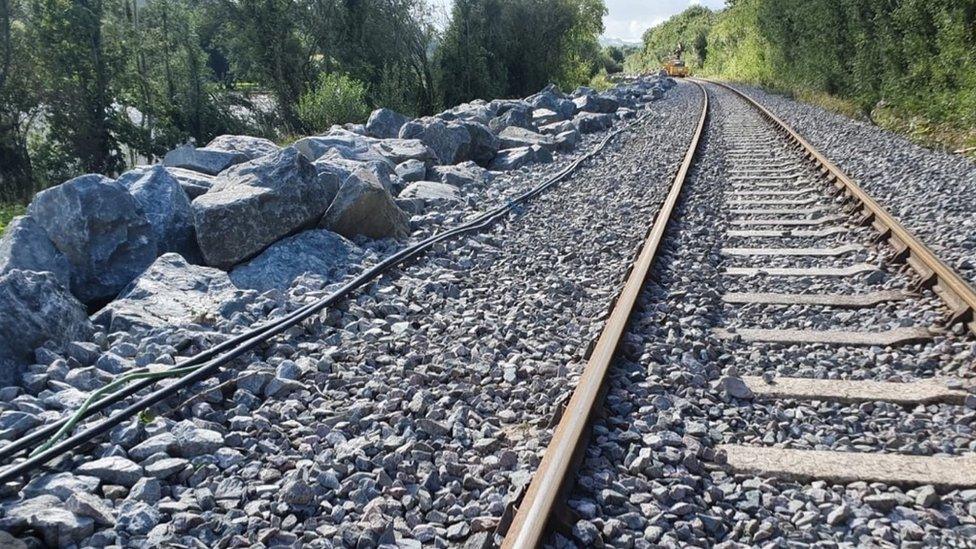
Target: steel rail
[
  {"x": 209, "y": 361},
  {"x": 533, "y": 514},
  {"x": 946, "y": 282}
]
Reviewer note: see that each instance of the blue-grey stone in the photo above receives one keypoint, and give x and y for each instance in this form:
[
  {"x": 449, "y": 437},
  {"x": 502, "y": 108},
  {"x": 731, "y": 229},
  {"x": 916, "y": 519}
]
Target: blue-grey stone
[{"x": 318, "y": 253}]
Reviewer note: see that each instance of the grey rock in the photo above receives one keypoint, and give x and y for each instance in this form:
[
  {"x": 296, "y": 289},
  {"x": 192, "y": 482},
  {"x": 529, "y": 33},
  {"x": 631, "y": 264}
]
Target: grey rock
[
  {"x": 136, "y": 518},
  {"x": 88, "y": 505},
  {"x": 385, "y": 123},
  {"x": 461, "y": 176},
  {"x": 166, "y": 207},
  {"x": 541, "y": 117},
  {"x": 147, "y": 490},
  {"x": 170, "y": 293},
  {"x": 166, "y": 467},
  {"x": 450, "y": 142},
  {"x": 59, "y": 527},
  {"x": 163, "y": 442},
  {"x": 518, "y": 116},
  {"x": 410, "y": 171},
  {"x": 203, "y": 160},
  {"x": 194, "y": 183},
  {"x": 60, "y": 485},
  {"x": 194, "y": 441},
  {"x": 26, "y": 247},
  {"x": 402, "y": 150},
  {"x": 313, "y": 147},
  {"x": 568, "y": 140},
  {"x": 591, "y": 122},
  {"x": 319, "y": 253},
  {"x": 112, "y": 470},
  {"x": 484, "y": 144},
  {"x": 557, "y": 128},
  {"x": 839, "y": 515},
  {"x": 36, "y": 308},
  {"x": 513, "y": 138},
  {"x": 430, "y": 192},
  {"x": 513, "y": 159},
  {"x": 881, "y": 502},
  {"x": 102, "y": 231},
  {"x": 364, "y": 207},
  {"x": 251, "y": 147},
  {"x": 735, "y": 387},
  {"x": 596, "y": 103},
  {"x": 296, "y": 491},
  {"x": 255, "y": 204}
]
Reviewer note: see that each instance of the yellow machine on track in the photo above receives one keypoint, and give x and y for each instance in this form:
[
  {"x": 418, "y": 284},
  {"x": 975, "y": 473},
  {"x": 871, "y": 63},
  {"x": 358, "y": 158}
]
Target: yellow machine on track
[{"x": 675, "y": 67}]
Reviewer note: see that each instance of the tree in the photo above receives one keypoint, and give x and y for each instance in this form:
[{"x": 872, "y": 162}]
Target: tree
[
  {"x": 77, "y": 68},
  {"x": 18, "y": 101},
  {"x": 471, "y": 60}
]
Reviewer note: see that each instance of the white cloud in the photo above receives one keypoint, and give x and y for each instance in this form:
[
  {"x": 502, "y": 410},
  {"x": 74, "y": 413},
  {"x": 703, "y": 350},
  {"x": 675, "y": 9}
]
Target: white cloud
[{"x": 628, "y": 19}]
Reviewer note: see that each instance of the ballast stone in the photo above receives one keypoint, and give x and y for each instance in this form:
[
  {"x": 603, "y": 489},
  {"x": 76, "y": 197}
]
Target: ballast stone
[
  {"x": 36, "y": 308},
  {"x": 166, "y": 207},
  {"x": 251, "y": 147},
  {"x": 431, "y": 193},
  {"x": 316, "y": 253},
  {"x": 204, "y": 160},
  {"x": 364, "y": 207},
  {"x": 255, "y": 204},
  {"x": 513, "y": 159},
  {"x": 461, "y": 175},
  {"x": 172, "y": 293},
  {"x": 513, "y": 138},
  {"x": 26, "y": 247},
  {"x": 385, "y": 123},
  {"x": 100, "y": 229}
]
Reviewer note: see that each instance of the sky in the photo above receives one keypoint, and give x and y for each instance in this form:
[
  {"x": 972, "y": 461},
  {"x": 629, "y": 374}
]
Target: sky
[{"x": 628, "y": 19}]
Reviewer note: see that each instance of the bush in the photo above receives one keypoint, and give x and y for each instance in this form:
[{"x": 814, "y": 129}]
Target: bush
[
  {"x": 335, "y": 99},
  {"x": 601, "y": 81}
]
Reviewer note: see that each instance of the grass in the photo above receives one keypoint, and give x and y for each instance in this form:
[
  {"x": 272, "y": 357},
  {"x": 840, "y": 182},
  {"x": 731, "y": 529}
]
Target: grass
[{"x": 8, "y": 212}]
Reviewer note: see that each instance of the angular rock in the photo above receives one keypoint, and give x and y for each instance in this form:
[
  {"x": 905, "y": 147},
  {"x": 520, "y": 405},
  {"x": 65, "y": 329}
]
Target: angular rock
[
  {"x": 431, "y": 192},
  {"x": 484, "y": 143},
  {"x": 385, "y": 123},
  {"x": 735, "y": 387},
  {"x": 194, "y": 183},
  {"x": 542, "y": 117},
  {"x": 402, "y": 150},
  {"x": 88, "y": 505},
  {"x": 136, "y": 518},
  {"x": 170, "y": 293},
  {"x": 513, "y": 138},
  {"x": 513, "y": 159},
  {"x": 450, "y": 142},
  {"x": 569, "y": 140},
  {"x": 203, "y": 160},
  {"x": 318, "y": 253},
  {"x": 194, "y": 441},
  {"x": 255, "y": 204},
  {"x": 460, "y": 175},
  {"x": 315, "y": 146},
  {"x": 26, "y": 247},
  {"x": 36, "y": 308},
  {"x": 101, "y": 230},
  {"x": 519, "y": 116},
  {"x": 409, "y": 171},
  {"x": 251, "y": 147},
  {"x": 596, "y": 103},
  {"x": 166, "y": 207},
  {"x": 60, "y": 485},
  {"x": 112, "y": 470},
  {"x": 364, "y": 207},
  {"x": 59, "y": 527},
  {"x": 588, "y": 122},
  {"x": 557, "y": 128},
  {"x": 344, "y": 168}
]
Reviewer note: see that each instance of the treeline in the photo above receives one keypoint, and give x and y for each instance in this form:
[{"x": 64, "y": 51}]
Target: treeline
[
  {"x": 915, "y": 56},
  {"x": 93, "y": 85}
]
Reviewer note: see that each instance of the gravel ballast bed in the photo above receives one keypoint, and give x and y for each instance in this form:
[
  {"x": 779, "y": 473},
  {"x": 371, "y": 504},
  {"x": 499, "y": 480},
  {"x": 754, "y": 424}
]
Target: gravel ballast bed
[
  {"x": 651, "y": 476},
  {"x": 932, "y": 193},
  {"x": 411, "y": 414}
]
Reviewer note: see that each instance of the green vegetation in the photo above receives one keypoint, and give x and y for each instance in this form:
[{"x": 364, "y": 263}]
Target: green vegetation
[
  {"x": 336, "y": 99},
  {"x": 907, "y": 65},
  {"x": 99, "y": 85},
  {"x": 8, "y": 212}
]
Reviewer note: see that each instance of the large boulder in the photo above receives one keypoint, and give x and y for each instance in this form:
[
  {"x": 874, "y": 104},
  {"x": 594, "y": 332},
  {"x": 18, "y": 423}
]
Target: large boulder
[
  {"x": 315, "y": 146},
  {"x": 204, "y": 160},
  {"x": 484, "y": 143},
  {"x": 385, "y": 123},
  {"x": 568, "y": 140},
  {"x": 255, "y": 204},
  {"x": 194, "y": 183},
  {"x": 517, "y": 115},
  {"x": 363, "y": 154},
  {"x": 475, "y": 111},
  {"x": 542, "y": 117},
  {"x": 251, "y": 147},
  {"x": 588, "y": 122},
  {"x": 513, "y": 138},
  {"x": 170, "y": 293},
  {"x": 557, "y": 128},
  {"x": 36, "y": 308},
  {"x": 25, "y": 246},
  {"x": 450, "y": 141},
  {"x": 460, "y": 175},
  {"x": 411, "y": 170},
  {"x": 318, "y": 253},
  {"x": 401, "y": 150},
  {"x": 102, "y": 231},
  {"x": 363, "y": 206},
  {"x": 552, "y": 99},
  {"x": 421, "y": 195},
  {"x": 596, "y": 103},
  {"x": 344, "y": 168},
  {"x": 513, "y": 159},
  {"x": 167, "y": 208}
]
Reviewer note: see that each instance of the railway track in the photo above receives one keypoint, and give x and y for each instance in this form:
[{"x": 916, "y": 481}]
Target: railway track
[{"x": 797, "y": 368}]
